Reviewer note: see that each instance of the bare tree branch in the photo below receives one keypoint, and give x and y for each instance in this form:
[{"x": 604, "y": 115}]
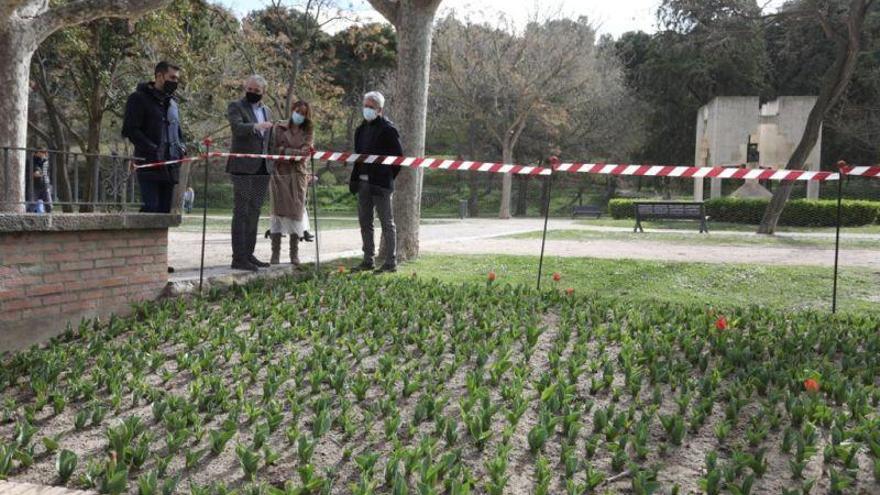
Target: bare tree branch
[
  {"x": 43, "y": 134},
  {"x": 81, "y": 11},
  {"x": 8, "y": 7},
  {"x": 390, "y": 9}
]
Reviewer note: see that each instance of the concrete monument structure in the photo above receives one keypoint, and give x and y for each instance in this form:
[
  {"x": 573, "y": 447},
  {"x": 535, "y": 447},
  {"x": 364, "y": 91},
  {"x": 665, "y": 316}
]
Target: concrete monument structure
[{"x": 726, "y": 126}]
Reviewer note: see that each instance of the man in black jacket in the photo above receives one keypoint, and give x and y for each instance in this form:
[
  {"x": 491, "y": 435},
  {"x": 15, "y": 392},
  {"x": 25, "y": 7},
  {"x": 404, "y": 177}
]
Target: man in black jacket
[
  {"x": 152, "y": 124},
  {"x": 374, "y": 183}
]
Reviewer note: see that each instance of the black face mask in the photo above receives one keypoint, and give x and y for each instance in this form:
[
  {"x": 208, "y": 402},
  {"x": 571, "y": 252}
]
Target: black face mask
[
  {"x": 169, "y": 87},
  {"x": 252, "y": 97}
]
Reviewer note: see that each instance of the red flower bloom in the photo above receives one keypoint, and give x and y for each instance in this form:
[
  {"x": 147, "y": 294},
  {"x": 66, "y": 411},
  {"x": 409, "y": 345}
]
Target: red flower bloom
[
  {"x": 811, "y": 385},
  {"x": 557, "y": 277},
  {"x": 721, "y": 323},
  {"x": 491, "y": 276},
  {"x": 569, "y": 291}
]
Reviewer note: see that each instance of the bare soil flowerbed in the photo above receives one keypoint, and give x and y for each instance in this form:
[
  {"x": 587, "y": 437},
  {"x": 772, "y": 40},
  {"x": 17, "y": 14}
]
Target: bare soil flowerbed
[{"x": 358, "y": 384}]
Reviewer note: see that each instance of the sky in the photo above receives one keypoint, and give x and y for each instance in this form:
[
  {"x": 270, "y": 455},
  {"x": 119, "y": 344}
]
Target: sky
[{"x": 609, "y": 17}]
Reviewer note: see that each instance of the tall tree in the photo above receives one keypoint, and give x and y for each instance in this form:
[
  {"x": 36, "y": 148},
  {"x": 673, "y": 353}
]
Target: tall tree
[
  {"x": 843, "y": 28},
  {"x": 364, "y": 57},
  {"x": 507, "y": 79},
  {"x": 414, "y": 22},
  {"x": 24, "y": 24},
  {"x": 703, "y": 49}
]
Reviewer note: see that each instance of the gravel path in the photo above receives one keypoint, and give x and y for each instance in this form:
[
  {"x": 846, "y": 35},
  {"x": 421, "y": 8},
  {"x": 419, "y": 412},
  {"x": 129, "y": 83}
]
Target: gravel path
[{"x": 488, "y": 236}]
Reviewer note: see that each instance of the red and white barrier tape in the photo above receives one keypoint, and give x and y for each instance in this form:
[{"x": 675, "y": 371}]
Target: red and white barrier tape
[
  {"x": 696, "y": 172},
  {"x": 861, "y": 171},
  {"x": 165, "y": 163},
  {"x": 587, "y": 168},
  {"x": 404, "y": 161}
]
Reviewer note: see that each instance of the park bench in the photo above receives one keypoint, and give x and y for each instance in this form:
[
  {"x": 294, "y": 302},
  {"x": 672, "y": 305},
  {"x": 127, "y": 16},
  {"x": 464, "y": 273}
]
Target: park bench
[
  {"x": 671, "y": 210},
  {"x": 586, "y": 211}
]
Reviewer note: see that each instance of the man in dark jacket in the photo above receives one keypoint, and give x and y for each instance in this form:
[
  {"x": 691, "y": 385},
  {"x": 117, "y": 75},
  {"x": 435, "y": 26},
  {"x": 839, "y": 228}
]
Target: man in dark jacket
[
  {"x": 152, "y": 124},
  {"x": 251, "y": 127},
  {"x": 374, "y": 183}
]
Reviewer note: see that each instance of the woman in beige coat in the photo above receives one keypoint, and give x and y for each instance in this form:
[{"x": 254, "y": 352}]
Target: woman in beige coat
[{"x": 290, "y": 180}]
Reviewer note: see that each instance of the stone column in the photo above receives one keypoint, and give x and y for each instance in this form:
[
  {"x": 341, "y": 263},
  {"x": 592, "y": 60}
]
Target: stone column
[
  {"x": 715, "y": 188},
  {"x": 698, "y": 189}
]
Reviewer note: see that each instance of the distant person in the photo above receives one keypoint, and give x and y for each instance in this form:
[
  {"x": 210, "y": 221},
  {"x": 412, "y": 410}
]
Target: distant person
[
  {"x": 373, "y": 183},
  {"x": 289, "y": 182},
  {"x": 41, "y": 185},
  {"x": 152, "y": 124},
  {"x": 189, "y": 197},
  {"x": 251, "y": 133}
]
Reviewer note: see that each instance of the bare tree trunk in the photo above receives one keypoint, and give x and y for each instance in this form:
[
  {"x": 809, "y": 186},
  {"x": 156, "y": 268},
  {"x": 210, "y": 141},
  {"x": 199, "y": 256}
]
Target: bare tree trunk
[
  {"x": 17, "y": 45},
  {"x": 93, "y": 162},
  {"x": 545, "y": 196},
  {"x": 414, "y": 29},
  {"x": 836, "y": 80},
  {"x": 522, "y": 198},
  {"x": 506, "y": 183},
  {"x": 24, "y": 24},
  {"x": 474, "y": 194}
]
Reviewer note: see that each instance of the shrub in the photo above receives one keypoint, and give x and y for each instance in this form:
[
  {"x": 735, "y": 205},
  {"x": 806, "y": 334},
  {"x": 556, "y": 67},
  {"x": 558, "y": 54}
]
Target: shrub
[{"x": 797, "y": 213}]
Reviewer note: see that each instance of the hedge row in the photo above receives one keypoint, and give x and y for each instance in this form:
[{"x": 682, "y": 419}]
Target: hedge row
[{"x": 797, "y": 213}]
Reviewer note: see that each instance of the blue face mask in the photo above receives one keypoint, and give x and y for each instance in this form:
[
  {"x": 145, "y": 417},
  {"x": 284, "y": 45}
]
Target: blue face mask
[
  {"x": 370, "y": 114},
  {"x": 297, "y": 118}
]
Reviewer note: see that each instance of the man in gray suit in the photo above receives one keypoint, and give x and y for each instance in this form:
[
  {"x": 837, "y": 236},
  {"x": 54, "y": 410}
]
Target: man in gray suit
[{"x": 251, "y": 133}]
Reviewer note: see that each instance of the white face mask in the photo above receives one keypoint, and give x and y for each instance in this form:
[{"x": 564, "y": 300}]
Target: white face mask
[
  {"x": 370, "y": 114},
  {"x": 297, "y": 118}
]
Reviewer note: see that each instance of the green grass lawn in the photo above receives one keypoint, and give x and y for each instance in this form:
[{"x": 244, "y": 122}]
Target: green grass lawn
[
  {"x": 719, "y": 226},
  {"x": 716, "y": 238},
  {"x": 725, "y": 286}
]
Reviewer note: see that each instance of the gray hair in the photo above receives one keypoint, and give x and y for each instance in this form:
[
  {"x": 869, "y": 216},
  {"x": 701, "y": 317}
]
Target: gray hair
[
  {"x": 260, "y": 80},
  {"x": 377, "y": 97}
]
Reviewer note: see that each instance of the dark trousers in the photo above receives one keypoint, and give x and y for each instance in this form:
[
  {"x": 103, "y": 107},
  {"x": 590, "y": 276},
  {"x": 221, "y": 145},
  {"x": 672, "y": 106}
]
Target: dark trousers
[
  {"x": 378, "y": 198},
  {"x": 249, "y": 192},
  {"x": 156, "y": 196}
]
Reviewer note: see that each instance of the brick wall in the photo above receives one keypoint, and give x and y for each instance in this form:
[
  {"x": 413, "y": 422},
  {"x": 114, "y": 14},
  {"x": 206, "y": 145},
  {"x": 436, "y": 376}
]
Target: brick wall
[{"x": 51, "y": 278}]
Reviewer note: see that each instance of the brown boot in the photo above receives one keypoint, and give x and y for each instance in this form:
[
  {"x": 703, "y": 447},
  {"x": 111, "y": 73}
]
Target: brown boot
[
  {"x": 294, "y": 251},
  {"x": 276, "y": 248}
]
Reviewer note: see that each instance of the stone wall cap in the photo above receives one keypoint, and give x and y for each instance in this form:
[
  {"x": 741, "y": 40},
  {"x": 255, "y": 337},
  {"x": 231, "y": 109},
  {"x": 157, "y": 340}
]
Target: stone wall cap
[{"x": 72, "y": 222}]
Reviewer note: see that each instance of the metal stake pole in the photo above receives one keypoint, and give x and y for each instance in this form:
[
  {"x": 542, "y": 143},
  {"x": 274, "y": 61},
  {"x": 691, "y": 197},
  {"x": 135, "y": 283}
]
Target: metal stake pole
[
  {"x": 840, "y": 174},
  {"x": 544, "y": 237},
  {"x": 315, "y": 213},
  {"x": 204, "y": 214}
]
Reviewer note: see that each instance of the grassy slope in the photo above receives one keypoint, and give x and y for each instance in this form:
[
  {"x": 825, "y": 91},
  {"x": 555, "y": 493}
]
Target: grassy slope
[
  {"x": 713, "y": 239},
  {"x": 719, "y": 226},
  {"x": 716, "y": 285}
]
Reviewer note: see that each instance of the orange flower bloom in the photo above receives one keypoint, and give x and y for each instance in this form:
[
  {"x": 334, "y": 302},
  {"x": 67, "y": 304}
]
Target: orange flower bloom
[
  {"x": 557, "y": 277},
  {"x": 569, "y": 291},
  {"x": 341, "y": 269},
  {"x": 811, "y": 385},
  {"x": 491, "y": 276}
]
